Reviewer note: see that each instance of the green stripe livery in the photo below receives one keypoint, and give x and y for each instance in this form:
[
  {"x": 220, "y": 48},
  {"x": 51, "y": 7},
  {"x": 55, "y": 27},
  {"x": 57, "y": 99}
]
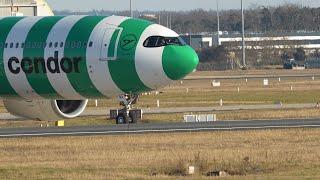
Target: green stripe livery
[
  {"x": 34, "y": 49},
  {"x": 123, "y": 70},
  {"x": 80, "y": 34},
  {"x": 6, "y": 25}
]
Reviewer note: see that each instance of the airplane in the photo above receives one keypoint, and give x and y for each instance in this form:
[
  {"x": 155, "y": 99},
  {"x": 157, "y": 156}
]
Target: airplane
[{"x": 50, "y": 66}]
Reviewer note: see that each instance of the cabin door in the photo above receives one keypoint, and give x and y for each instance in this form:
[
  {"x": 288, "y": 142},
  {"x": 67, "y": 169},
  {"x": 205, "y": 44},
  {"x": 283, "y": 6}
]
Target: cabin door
[{"x": 110, "y": 43}]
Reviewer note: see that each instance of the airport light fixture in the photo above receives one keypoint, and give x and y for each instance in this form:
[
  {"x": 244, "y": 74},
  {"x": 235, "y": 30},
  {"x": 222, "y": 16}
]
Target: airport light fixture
[
  {"x": 170, "y": 20},
  {"x": 131, "y": 13},
  {"x": 218, "y": 16},
  {"x": 159, "y": 18},
  {"x": 218, "y": 21},
  {"x": 243, "y": 37}
]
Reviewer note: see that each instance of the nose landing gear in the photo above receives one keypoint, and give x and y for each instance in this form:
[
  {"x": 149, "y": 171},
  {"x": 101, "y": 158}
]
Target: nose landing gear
[{"x": 127, "y": 115}]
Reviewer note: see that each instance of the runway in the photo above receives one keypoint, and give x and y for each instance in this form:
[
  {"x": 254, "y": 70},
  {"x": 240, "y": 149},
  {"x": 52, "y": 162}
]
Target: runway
[
  {"x": 160, "y": 128},
  {"x": 106, "y": 112}
]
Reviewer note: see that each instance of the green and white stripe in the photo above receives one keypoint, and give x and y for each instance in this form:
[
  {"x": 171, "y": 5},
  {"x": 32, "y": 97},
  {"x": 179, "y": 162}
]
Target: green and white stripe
[
  {"x": 6, "y": 25},
  {"x": 18, "y": 34},
  {"x": 98, "y": 68},
  {"x": 124, "y": 72},
  {"x": 60, "y": 81},
  {"x": 36, "y": 36},
  {"x": 80, "y": 32}
]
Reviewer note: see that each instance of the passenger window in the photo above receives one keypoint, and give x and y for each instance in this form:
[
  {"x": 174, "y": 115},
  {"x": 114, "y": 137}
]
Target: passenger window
[
  {"x": 22, "y": 45},
  {"x": 61, "y": 44},
  {"x": 33, "y": 45},
  {"x": 67, "y": 45},
  {"x": 11, "y": 45},
  {"x": 56, "y": 44},
  {"x": 90, "y": 44},
  {"x": 28, "y": 45},
  {"x": 73, "y": 45},
  {"x": 79, "y": 45},
  {"x": 39, "y": 45},
  {"x": 50, "y": 45},
  {"x": 6, "y": 45},
  {"x": 17, "y": 45}
]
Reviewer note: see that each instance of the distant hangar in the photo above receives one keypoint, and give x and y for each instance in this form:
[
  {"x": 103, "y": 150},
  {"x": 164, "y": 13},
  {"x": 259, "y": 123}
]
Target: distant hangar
[
  {"x": 25, "y": 8},
  {"x": 281, "y": 40}
]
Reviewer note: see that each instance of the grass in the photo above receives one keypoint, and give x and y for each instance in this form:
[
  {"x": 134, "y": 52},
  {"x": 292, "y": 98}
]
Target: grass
[
  {"x": 201, "y": 94},
  {"x": 274, "y": 154},
  {"x": 204, "y": 99},
  {"x": 268, "y": 154},
  {"x": 241, "y": 115},
  {"x": 257, "y": 72}
]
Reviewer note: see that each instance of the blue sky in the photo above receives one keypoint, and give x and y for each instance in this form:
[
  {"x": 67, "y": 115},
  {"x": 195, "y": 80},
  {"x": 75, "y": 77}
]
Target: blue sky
[{"x": 85, "y": 5}]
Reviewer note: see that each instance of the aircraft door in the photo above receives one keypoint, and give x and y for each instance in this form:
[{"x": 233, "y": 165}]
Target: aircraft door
[{"x": 110, "y": 42}]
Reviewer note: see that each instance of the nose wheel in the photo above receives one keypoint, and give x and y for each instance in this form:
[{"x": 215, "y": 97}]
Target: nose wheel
[
  {"x": 127, "y": 115},
  {"x": 121, "y": 119}
]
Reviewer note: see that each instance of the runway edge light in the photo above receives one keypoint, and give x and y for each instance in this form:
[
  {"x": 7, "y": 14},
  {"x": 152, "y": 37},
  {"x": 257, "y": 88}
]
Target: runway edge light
[{"x": 60, "y": 123}]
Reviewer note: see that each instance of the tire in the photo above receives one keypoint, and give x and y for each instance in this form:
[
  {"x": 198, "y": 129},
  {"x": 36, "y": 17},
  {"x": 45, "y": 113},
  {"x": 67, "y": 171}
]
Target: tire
[
  {"x": 134, "y": 119},
  {"x": 121, "y": 119}
]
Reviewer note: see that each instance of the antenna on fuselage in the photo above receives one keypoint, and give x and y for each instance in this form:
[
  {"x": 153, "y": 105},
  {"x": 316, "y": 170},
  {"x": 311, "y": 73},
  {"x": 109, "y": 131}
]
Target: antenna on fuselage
[{"x": 11, "y": 7}]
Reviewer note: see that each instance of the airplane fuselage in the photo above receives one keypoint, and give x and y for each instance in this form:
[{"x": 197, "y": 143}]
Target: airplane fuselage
[{"x": 88, "y": 57}]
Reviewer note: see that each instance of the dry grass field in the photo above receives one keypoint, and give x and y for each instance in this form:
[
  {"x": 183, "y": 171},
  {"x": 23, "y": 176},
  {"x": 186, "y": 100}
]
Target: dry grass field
[
  {"x": 256, "y": 72},
  {"x": 269, "y": 154},
  {"x": 266, "y": 154},
  {"x": 241, "y": 115},
  {"x": 200, "y": 93}
]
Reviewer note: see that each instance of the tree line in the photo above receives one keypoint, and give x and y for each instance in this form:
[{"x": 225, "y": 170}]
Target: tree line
[
  {"x": 288, "y": 17},
  {"x": 269, "y": 20}
]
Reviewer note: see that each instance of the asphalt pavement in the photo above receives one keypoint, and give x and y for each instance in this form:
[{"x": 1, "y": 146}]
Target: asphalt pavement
[
  {"x": 159, "y": 128},
  {"x": 106, "y": 112}
]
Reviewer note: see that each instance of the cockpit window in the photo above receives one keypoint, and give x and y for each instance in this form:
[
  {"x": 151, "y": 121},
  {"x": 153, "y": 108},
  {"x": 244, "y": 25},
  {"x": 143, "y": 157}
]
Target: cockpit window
[{"x": 158, "y": 41}]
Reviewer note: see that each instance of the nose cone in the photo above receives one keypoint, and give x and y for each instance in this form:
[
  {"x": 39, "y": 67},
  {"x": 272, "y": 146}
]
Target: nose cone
[{"x": 179, "y": 61}]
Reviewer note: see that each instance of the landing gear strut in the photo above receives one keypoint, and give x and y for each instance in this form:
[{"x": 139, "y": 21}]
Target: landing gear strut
[{"x": 127, "y": 115}]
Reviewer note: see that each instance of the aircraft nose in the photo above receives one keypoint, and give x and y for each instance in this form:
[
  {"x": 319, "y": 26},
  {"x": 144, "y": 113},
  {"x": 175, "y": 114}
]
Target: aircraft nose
[{"x": 179, "y": 61}]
